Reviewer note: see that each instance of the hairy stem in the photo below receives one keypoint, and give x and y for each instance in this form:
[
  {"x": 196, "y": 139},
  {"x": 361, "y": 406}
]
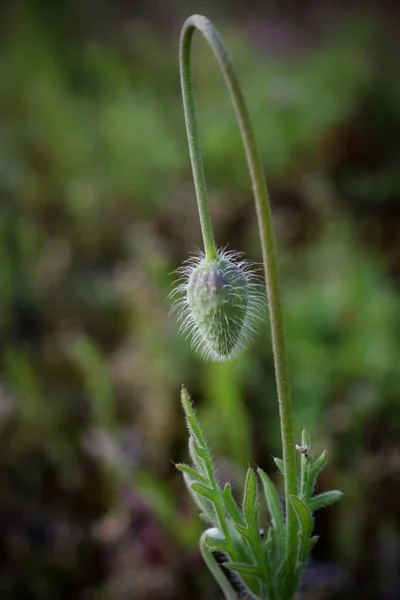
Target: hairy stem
[
  {"x": 266, "y": 236},
  {"x": 216, "y": 570},
  {"x": 193, "y": 138}
]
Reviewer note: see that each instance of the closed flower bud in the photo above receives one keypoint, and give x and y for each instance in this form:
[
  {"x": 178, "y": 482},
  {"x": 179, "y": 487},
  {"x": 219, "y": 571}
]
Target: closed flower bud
[{"x": 220, "y": 303}]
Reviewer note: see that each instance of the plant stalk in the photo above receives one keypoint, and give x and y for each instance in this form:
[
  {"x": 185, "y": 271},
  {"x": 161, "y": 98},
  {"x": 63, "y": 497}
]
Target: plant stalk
[
  {"x": 192, "y": 133},
  {"x": 264, "y": 219},
  {"x": 216, "y": 570}
]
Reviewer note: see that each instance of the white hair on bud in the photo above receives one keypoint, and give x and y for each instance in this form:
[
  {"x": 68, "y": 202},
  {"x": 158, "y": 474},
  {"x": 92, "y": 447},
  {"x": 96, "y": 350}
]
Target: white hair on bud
[{"x": 232, "y": 310}]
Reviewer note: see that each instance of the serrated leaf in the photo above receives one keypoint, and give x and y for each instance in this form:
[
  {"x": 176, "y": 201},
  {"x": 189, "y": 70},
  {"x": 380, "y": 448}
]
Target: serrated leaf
[
  {"x": 194, "y": 455},
  {"x": 306, "y": 525},
  {"x": 280, "y": 464},
  {"x": 191, "y": 472},
  {"x": 244, "y": 531},
  {"x": 195, "y": 430},
  {"x": 231, "y": 506},
  {"x": 324, "y": 499},
  {"x": 204, "y": 454},
  {"x": 275, "y": 510},
  {"x": 204, "y": 505},
  {"x": 203, "y": 490}
]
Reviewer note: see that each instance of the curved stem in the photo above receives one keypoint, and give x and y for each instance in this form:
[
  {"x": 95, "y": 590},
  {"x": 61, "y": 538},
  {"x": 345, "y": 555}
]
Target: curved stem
[
  {"x": 216, "y": 570},
  {"x": 266, "y": 236},
  {"x": 194, "y": 145}
]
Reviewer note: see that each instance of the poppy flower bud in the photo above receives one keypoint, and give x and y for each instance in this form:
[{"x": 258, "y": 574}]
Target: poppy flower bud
[{"x": 220, "y": 305}]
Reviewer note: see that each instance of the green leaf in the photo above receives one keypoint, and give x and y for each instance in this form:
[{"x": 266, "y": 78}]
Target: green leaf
[
  {"x": 197, "y": 460},
  {"x": 303, "y": 515},
  {"x": 204, "y": 490},
  {"x": 250, "y": 492},
  {"x": 324, "y": 499},
  {"x": 283, "y": 578},
  {"x": 306, "y": 524},
  {"x": 204, "y": 505},
  {"x": 203, "y": 453},
  {"x": 192, "y": 472},
  {"x": 319, "y": 464},
  {"x": 204, "y": 516},
  {"x": 275, "y": 510},
  {"x": 280, "y": 464},
  {"x": 195, "y": 430},
  {"x": 305, "y": 439},
  {"x": 250, "y": 506},
  {"x": 307, "y": 479},
  {"x": 192, "y": 423},
  {"x": 244, "y": 531},
  {"x": 231, "y": 506},
  {"x": 269, "y": 548}
]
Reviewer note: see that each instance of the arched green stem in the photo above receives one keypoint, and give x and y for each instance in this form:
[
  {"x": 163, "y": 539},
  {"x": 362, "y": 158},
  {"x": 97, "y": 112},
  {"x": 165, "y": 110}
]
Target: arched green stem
[
  {"x": 193, "y": 138},
  {"x": 266, "y": 236},
  {"x": 216, "y": 570}
]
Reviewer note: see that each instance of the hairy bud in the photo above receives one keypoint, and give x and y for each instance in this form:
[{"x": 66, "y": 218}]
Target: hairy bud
[{"x": 220, "y": 304}]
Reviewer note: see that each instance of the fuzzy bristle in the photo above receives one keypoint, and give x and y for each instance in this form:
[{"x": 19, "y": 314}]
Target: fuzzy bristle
[{"x": 220, "y": 303}]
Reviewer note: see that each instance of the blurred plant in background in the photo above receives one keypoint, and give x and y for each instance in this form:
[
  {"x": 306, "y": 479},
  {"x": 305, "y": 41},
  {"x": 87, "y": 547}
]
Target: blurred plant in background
[{"x": 94, "y": 214}]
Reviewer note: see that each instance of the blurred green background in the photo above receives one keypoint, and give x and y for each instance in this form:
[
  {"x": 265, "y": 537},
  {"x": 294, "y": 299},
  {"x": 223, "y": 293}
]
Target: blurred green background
[{"x": 97, "y": 209}]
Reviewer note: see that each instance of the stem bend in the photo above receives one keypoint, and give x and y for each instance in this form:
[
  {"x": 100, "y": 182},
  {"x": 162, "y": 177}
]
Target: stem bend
[{"x": 264, "y": 219}]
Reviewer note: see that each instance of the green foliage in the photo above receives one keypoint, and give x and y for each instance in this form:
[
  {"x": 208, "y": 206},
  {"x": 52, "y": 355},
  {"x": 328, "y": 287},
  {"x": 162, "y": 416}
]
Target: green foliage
[
  {"x": 237, "y": 529},
  {"x": 275, "y": 510},
  {"x": 261, "y": 565}
]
